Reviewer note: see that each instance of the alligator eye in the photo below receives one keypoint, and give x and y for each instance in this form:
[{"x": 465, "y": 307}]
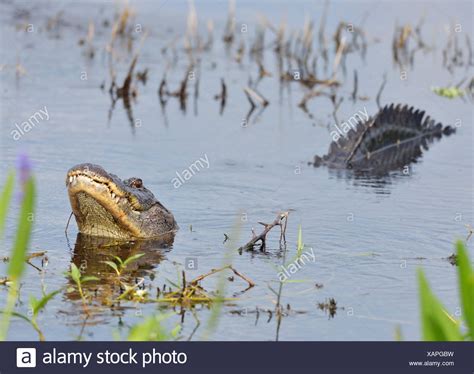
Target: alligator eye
[{"x": 137, "y": 183}]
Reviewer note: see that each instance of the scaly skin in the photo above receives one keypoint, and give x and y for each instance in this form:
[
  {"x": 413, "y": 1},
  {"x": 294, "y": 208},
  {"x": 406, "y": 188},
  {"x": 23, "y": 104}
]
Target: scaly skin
[
  {"x": 391, "y": 140},
  {"x": 106, "y": 206}
]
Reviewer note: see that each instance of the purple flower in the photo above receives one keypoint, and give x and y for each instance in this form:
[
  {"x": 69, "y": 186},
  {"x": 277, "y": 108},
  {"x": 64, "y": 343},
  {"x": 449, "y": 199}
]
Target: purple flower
[{"x": 23, "y": 166}]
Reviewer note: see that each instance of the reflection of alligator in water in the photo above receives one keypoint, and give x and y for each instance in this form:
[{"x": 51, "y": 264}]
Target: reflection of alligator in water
[
  {"x": 106, "y": 206},
  {"x": 391, "y": 140},
  {"x": 90, "y": 254}
]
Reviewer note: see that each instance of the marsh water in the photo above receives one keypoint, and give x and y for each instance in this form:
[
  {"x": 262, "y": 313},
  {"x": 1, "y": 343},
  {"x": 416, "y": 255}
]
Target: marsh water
[{"x": 369, "y": 234}]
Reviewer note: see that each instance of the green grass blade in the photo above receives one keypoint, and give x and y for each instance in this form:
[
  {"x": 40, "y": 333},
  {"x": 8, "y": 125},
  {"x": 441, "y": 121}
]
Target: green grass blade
[
  {"x": 300, "y": 244},
  {"x": 436, "y": 325},
  {"x": 25, "y": 223},
  {"x": 466, "y": 287},
  {"x": 5, "y": 200}
]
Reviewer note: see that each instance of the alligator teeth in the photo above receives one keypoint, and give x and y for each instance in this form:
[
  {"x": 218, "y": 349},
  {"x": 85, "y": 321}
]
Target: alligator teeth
[
  {"x": 117, "y": 199},
  {"x": 113, "y": 196},
  {"x": 70, "y": 179}
]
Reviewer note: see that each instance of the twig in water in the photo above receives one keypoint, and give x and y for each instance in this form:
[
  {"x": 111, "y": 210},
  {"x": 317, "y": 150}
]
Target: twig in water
[
  {"x": 280, "y": 220},
  {"x": 354, "y": 92},
  {"x": 470, "y": 232},
  {"x": 381, "y": 89},
  {"x": 67, "y": 224},
  {"x": 336, "y": 105}
]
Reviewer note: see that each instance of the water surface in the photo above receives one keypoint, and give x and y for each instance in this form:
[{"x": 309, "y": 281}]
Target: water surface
[{"x": 369, "y": 235}]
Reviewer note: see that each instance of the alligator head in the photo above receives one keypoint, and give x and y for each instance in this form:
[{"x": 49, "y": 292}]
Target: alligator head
[
  {"x": 104, "y": 205},
  {"x": 390, "y": 140}
]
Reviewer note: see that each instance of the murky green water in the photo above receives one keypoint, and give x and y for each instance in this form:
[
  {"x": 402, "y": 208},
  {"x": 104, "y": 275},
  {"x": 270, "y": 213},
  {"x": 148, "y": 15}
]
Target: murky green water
[{"x": 369, "y": 235}]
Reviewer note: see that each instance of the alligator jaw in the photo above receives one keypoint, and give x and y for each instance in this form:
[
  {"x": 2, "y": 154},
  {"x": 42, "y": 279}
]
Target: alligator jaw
[
  {"x": 100, "y": 208},
  {"x": 105, "y": 205}
]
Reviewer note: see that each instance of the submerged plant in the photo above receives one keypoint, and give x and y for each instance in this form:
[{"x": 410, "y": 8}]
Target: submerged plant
[{"x": 436, "y": 322}]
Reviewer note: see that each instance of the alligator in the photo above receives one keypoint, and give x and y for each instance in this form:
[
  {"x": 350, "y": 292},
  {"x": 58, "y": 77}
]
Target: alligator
[
  {"x": 390, "y": 140},
  {"x": 106, "y": 206}
]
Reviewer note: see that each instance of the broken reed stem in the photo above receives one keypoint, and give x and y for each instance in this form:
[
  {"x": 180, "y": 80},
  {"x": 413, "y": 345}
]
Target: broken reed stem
[
  {"x": 280, "y": 220},
  {"x": 213, "y": 271},
  {"x": 253, "y": 96},
  {"x": 337, "y": 57}
]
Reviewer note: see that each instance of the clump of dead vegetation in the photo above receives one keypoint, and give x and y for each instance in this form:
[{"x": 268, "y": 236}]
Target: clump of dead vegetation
[
  {"x": 124, "y": 31},
  {"x": 406, "y": 43},
  {"x": 191, "y": 293},
  {"x": 329, "y": 306},
  {"x": 454, "y": 56}
]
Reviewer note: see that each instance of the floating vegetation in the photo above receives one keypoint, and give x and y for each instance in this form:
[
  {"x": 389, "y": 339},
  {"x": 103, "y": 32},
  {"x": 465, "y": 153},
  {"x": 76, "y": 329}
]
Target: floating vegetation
[
  {"x": 453, "y": 259},
  {"x": 448, "y": 92},
  {"x": 189, "y": 294},
  {"x": 329, "y": 307}
]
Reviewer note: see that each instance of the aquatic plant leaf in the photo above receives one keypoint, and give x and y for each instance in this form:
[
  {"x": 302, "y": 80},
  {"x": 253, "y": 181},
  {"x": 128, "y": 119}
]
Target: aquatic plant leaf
[
  {"x": 119, "y": 260},
  {"x": 466, "y": 287},
  {"x": 75, "y": 274},
  {"x": 38, "y": 305},
  {"x": 436, "y": 323},
  {"x": 113, "y": 265},
  {"x": 89, "y": 278},
  {"x": 25, "y": 223},
  {"x": 132, "y": 258},
  {"x": 5, "y": 200}
]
